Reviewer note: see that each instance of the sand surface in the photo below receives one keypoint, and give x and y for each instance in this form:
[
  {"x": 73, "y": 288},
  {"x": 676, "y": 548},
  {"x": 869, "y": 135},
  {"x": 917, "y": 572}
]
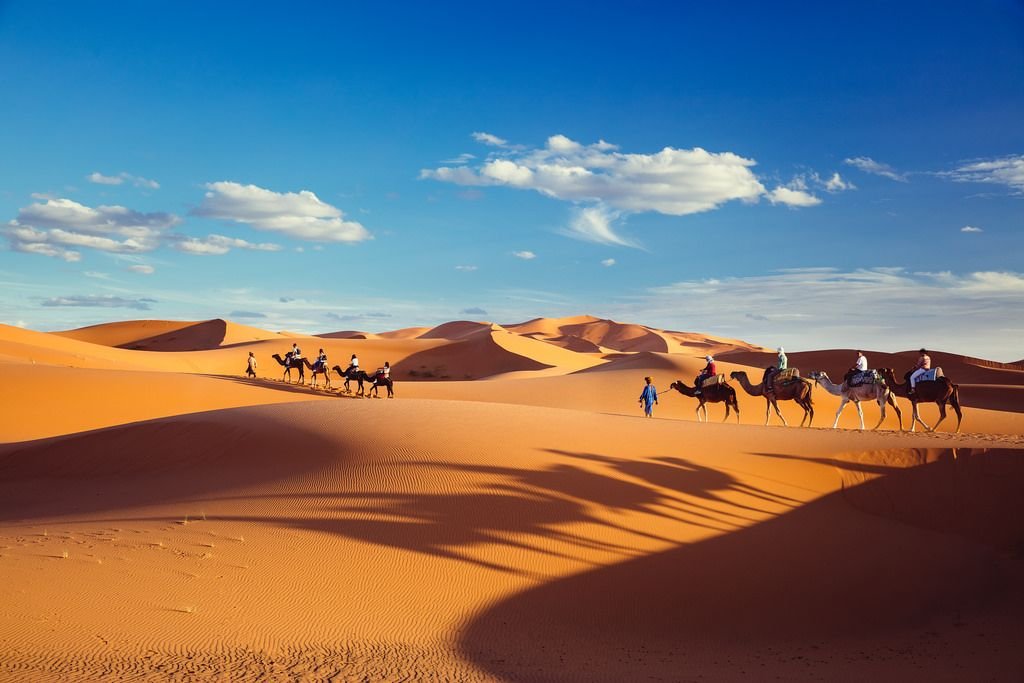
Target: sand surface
[{"x": 509, "y": 516}]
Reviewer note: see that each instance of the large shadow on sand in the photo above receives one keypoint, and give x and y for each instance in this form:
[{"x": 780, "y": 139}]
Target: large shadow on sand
[
  {"x": 895, "y": 554},
  {"x": 182, "y": 458}
]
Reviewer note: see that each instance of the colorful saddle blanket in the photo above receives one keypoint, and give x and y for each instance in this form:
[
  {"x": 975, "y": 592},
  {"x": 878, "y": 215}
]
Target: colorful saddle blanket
[
  {"x": 866, "y": 377},
  {"x": 931, "y": 375},
  {"x": 712, "y": 381}
]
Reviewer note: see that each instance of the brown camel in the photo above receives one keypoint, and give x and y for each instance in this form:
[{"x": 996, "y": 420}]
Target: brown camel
[
  {"x": 318, "y": 371},
  {"x": 798, "y": 390},
  {"x": 939, "y": 391},
  {"x": 716, "y": 393}
]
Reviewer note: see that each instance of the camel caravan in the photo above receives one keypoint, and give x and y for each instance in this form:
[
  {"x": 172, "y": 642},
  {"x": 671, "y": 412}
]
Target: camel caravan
[
  {"x": 921, "y": 384},
  {"x": 294, "y": 360}
]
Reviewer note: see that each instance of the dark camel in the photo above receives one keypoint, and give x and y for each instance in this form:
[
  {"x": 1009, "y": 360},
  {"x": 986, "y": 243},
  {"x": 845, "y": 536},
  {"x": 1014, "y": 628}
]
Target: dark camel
[
  {"x": 939, "y": 391},
  {"x": 716, "y": 393},
  {"x": 798, "y": 390},
  {"x": 361, "y": 376},
  {"x": 288, "y": 362}
]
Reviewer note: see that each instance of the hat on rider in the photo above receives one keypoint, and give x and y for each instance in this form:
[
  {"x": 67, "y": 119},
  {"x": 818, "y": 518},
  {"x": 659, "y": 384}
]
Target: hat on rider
[
  {"x": 708, "y": 358},
  {"x": 780, "y": 350}
]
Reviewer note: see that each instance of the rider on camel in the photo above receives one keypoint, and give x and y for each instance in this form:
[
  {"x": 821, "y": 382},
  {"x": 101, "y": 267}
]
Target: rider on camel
[
  {"x": 924, "y": 364},
  {"x": 709, "y": 371},
  {"x": 353, "y": 365}
]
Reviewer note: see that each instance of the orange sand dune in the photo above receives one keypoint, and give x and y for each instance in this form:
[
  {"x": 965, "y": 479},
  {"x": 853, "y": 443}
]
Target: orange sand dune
[
  {"x": 461, "y": 541},
  {"x": 161, "y": 517},
  {"x": 348, "y": 334},
  {"x": 404, "y": 333},
  {"x": 166, "y": 335}
]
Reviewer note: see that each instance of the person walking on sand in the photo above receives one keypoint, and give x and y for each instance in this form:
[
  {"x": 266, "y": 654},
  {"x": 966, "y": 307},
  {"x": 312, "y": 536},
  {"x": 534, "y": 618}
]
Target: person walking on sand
[
  {"x": 251, "y": 369},
  {"x": 649, "y": 397}
]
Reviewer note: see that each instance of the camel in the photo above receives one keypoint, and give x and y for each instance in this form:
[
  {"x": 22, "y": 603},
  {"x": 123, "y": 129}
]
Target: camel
[
  {"x": 877, "y": 392},
  {"x": 361, "y": 376},
  {"x": 716, "y": 393},
  {"x": 798, "y": 390},
  {"x": 288, "y": 362},
  {"x": 318, "y": 371},
  {"x": 939, "y": 391},
  {"x": 352, "y": 374}
]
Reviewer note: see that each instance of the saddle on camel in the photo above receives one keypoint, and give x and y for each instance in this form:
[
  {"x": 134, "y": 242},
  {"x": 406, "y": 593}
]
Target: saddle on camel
[{"x": 777, "y": 379}]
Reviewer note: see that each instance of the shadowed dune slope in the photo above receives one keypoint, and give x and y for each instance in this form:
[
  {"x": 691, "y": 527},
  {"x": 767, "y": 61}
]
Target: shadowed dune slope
[{"x": 910, "y": 591}]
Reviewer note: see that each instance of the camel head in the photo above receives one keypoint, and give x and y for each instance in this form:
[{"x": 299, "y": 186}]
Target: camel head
[
  {"x": 735, "y": 374},
  {"x": 818, "y": 375}
]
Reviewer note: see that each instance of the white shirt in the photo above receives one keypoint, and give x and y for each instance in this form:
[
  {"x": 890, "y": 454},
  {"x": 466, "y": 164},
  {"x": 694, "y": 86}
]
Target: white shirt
[
  {"x": 296, "y": 352},
  {"x": 862, "y": 363},
  {"x": 355, "y": 362}
]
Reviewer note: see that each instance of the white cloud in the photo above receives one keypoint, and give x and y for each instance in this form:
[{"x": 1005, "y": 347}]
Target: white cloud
[
  {"x": 525, "y": 255},
  {"x": 467, "y": 269},
  {"x": 792, "y": 197},
  {"x": 837, "y": 184},
  {"x": 461, "y": 159},
  {"x": 596, "y": 224},
  {"x": 100, "y": 179},
  {"x": 143, "y": 269},
  {"x": 1007, "y": 171},
  {"x": 488, "y": 139},
  {"x": 970, "y": 228},
  {"x": 121, "y": 178},
  {"x": 93, "y": 301},
  {"x": 608, "y": 262},
  {"x": 301, "y": 215},
  {"x": 47, "y": 228},
  {"x": 882, "y": 308},
  {"x": 869, "y": 165},
  {"x": 673, "y": 181},
  {"x": 219, "y": 244},
  {"x": 96, "y": 275}
]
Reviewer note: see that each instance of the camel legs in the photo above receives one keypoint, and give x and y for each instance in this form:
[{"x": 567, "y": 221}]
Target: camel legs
[
  {"x": 942, "y": 414},
  {"x": 917, "y": 418},
  {"x": 842, "y": 404},
  {"x": 881, "y": 407},
  {"x": 899, "y": 415},
  {"x": 774, "y": 404},
  {"x": 699, "y": 406}
]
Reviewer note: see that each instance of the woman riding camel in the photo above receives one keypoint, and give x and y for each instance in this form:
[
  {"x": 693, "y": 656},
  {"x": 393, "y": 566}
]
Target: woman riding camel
[
  {"x": 924, "y": 364},
  {"x": 709, "y": 371},
  {"x": 321, "y": 362}
]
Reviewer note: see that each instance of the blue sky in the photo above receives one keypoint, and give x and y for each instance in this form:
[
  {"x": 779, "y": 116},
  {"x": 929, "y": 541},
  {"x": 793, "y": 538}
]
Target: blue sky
[{"x": 841, "y": 176}]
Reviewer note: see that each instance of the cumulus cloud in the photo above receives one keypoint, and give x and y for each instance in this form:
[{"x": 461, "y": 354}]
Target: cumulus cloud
[
  {"x": 869, "y": 165},
  {"x": 673, "y": 181},
  {"x": 301, "y": 215},
  {"x": 525, "y": 255},
  {"x": 884, "y": 308},
  {"x": 1008, "y": 171},
  {"x": 142, "y": 269},
  {"x": 970, "y": 228},
  {"x": 215, "y": 245},
  {"x": 121, "y": 178},
  {"x": 52, "y": 227},
  {"x": 94, "y": 301},
  {"x": 608, "y": 262}
]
